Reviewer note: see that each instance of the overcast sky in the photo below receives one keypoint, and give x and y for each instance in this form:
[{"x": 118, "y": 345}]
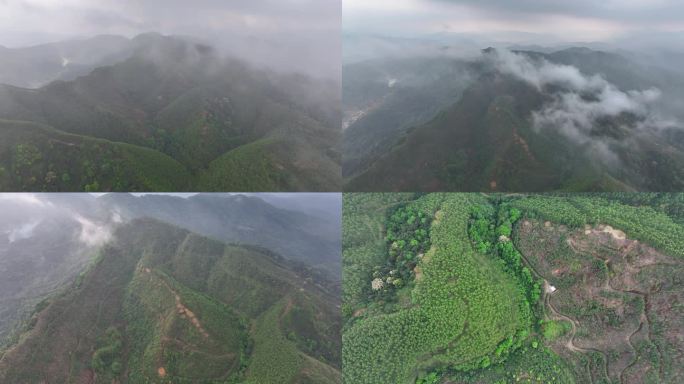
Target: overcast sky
[
  {"x": 304, "y": 34},
  {"x": 517, "y": 21}
]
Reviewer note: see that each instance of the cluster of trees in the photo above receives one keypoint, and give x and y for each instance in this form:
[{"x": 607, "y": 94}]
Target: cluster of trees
[
  {"x": 529, "y": 364},
  {"x": 25, "y": 159},
  {"x": 430, "y": 378},
  {"x": 490, "y": 230},
  {"x": 407, "y": 240},
  {"x": 95, "y": 168},
  {"x": 106, "y": 360},
  {"x": 669, "y": 203}
]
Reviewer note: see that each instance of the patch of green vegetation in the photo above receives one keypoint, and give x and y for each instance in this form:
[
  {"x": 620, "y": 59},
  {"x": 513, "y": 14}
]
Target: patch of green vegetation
[
  {"x": 529, "y": 364},
  {"x": 490, "y": 230},
  {"x": 363, "y": 243},
  {"x": 553, "y": 329},
  {"x": 408, "y": 238},
  {"x": 106, "y": 360},
  {"x": 248, "y": 168}
]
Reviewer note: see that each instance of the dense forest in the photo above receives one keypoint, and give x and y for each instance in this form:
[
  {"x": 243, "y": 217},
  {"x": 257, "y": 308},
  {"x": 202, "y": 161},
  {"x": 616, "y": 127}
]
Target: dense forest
[{"x": 512, "y": 288}]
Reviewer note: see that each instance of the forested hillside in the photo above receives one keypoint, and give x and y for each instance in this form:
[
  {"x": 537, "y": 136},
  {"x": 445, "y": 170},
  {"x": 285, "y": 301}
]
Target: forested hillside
[
  {"x": 161, "y": 304},
  {"x": 471, "y": 288}
]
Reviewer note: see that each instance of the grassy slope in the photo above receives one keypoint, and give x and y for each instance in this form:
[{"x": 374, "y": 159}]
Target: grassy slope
[
  {"x": 39, "y": 158},
  {"x": 457, "y": 315},
  {"x": 158, "y": 279},
  {"x": 248, "y": 168}
]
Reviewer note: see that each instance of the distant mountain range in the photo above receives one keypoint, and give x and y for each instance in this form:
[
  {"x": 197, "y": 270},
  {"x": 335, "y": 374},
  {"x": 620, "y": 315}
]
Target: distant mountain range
[
  {"x": 295, "y": 234},
  {"x": 36, "y": 66},
  {"x": 575, "y": 119},
  {"x": 160, "y": 113}
]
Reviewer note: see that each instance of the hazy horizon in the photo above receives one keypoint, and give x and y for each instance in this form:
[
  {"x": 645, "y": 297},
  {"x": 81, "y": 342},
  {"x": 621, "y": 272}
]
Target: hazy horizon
[
  {"x": 291, "y": 35},
  {"x": 466, "y": 26}
]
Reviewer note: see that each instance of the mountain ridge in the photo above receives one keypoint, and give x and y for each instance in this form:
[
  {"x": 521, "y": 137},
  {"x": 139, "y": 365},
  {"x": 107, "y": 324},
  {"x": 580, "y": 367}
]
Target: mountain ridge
[
  {"x": 148, "y": 259},
  {"x": 231, "y": 126}
]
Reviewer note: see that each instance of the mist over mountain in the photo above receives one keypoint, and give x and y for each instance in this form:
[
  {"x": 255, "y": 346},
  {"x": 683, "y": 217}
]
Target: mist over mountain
[
  {"x": 570, "y": 119},
  {"x": 36, "y": 66},
  {"x": 287, "y": 36},
  {"x": 42, "y": 246},
  {"x": 46, "y": 240},
  {"x": 164, "y": 113},
  {"x": 526, "y": 95}
]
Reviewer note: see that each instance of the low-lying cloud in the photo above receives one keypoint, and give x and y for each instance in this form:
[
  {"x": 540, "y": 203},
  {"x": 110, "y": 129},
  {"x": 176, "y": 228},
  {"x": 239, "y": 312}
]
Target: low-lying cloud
[
  {"x": 24, "y": 231},
  {"x": 92, "y": 233},
  {"x": 582, "y": 102},
  {"x": 26, "y": 215}
]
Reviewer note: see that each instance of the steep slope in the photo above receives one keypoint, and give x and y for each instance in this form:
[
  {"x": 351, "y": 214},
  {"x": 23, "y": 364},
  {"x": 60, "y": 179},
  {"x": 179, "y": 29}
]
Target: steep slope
[
  {"x": 468, "y": 145},
  {"x": 161, "y": 304},
  {"x": 183, "y": 100}
]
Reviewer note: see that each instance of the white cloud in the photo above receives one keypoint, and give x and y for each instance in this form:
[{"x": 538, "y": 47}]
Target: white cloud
[
  {"x": 25, "y": 231},
  {"x": 116, "y": 217},
  {"x": 24, "y": 198},
  {"x": 93, "y": 234},
  {"x": 582, "y": 102}
]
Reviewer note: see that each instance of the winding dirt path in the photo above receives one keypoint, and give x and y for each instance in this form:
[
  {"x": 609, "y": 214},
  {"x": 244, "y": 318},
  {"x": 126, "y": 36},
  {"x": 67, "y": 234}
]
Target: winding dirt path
[
  {"x": 643, "y": 318},
  {"x": 185, "y": 312},
  {"x": 557, "y": 315},
  {"x": 607, "y": 286}
]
